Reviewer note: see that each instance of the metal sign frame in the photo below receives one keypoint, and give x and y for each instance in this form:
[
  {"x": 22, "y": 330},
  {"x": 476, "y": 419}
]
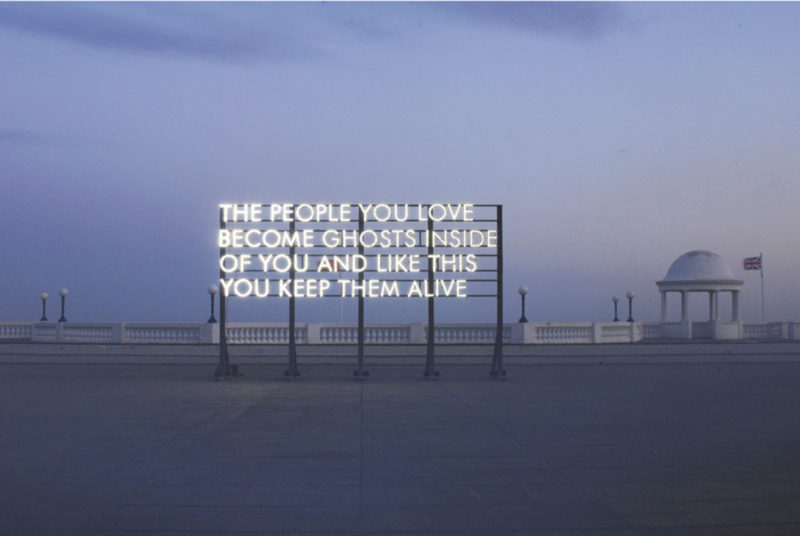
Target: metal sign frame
[{"x": 492, "y": 215}]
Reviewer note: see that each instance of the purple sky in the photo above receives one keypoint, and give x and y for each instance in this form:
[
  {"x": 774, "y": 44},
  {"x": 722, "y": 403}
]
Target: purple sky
[{"x": 617, "y": 137}]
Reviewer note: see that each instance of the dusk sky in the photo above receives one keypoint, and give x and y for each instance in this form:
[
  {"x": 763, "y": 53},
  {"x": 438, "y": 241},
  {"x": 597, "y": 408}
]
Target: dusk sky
[{"x": 617, "y": 136}]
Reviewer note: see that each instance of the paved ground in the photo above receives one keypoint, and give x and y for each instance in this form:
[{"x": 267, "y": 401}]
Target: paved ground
[{"x": 650, "y": 449}]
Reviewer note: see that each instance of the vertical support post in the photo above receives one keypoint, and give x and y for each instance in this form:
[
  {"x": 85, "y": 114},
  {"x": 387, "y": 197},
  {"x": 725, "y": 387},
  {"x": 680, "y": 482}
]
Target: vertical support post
[
  {"x": 715, "y": 303},
  {"x": 211, "y": 319},
  {"x": 360, "y": 373},
  {"x": 430, "y": 365},
  {"x": 224, "y": 367},
  {"x": 710, "y": 305},
  {"x": 64, "y": 299},
  {"x": 497, "y": 359},
  {"x": 292, "y": 371},
  {"x": 761, "y": 269},
  {"x": 684, "y": 305}
]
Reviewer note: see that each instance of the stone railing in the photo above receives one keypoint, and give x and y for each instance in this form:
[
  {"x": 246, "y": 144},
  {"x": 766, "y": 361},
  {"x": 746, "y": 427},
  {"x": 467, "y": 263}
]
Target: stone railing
[
  {"x": 771, "y": 330},
  {"x": 652, "y": 330},
  {"x": 577, "y": 332},
  {"x": 373, "y": 334},
  {"x": 415, "y": 333},
  {"x": 468, "y": 334},
  {"x": 561, "y": 333},
  {"x": 177, "y": 333},
  {"x": 10, "y": 331},
  {"x": 118, "y": 333},
  {"x": 722, "y": 330},
  {"x": 254, "y": 333}
]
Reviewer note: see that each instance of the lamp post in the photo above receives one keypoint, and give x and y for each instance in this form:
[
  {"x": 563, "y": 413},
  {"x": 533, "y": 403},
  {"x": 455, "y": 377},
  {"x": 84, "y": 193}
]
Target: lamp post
[
  {"x": 615, "y": 300},
  {"x": 43, "y": 296},
  {"x": 212, "y": 290},
  {"x": 522, "y": 291},
  {"x": 630, "y": 296},
  {"x": 63, "y": 293}
]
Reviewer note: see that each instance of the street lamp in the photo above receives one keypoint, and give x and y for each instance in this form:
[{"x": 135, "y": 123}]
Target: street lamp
[
  {"x": 615, "y": 300},
  {"x": 522, "y": 291},
  {"x": 211, "y": 291},
  {"x": 43, "y": 296},
  {"x": 63, "y": 293},
  {"x": 630, "y": 296}
]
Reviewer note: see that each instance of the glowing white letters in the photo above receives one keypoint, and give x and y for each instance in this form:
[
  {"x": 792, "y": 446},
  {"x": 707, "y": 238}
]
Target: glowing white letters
[
  {"x": 248, "y": 212},
  {"x": 309, "y": 250},
  {"x": 380, "y": 212},
  {"x": 269, "y": 238}
]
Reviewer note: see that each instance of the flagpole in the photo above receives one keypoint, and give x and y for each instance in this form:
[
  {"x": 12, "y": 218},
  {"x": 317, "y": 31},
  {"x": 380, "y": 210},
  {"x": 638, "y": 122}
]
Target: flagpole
[{"x": 763, "y": 315}]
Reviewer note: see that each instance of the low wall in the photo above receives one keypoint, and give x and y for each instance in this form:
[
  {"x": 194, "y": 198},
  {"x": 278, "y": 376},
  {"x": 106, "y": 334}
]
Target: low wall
[
  {"x": 240, "y": 333},
  {"x": 317, "y": 333}
]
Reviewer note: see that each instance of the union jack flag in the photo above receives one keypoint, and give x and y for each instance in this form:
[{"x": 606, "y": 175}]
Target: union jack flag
[{"x": 752, "y": 263}]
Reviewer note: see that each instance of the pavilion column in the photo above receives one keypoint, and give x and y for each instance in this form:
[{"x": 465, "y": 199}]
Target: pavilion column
[
  {"x": 713, "y": 305},
  {"x": 684, "y": 305},
  {"x": 735, "y": 305},
  {"x": 663, "y": 306},
  {"x": 710, "y": 305}
]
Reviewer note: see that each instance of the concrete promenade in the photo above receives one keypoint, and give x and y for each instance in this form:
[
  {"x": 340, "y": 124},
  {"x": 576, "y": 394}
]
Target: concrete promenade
[{"x": 670, "y": 446}]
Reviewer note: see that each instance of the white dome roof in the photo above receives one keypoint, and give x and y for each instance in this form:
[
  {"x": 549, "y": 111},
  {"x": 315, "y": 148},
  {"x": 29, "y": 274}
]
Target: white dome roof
[{"x": 699, "y": 265}]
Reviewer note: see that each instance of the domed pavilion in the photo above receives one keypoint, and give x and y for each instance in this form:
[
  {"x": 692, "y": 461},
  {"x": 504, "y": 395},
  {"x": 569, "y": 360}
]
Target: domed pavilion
[{"x": 702, "y": 271}]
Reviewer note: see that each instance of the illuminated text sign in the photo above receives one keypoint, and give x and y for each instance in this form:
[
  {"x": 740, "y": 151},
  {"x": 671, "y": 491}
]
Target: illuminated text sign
[{"x": 361, "y": 250}]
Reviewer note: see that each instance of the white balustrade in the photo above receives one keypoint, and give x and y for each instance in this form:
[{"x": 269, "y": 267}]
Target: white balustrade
[
  {"x": 763, "y": 330},
  {"x": 467, "y": 334},
  {"x": 338, "y": 334},
  {"x": 251, "y": 333},
  {"x": 388, "y": 334},
  {"x": 651, "y": 330},
  {"x": 416, "y": 333},
  {"x": 16, "y": 330},
  {"x": 564, "y": 333},
  {"x": 162, "y": 333},
  {"x": 580, "y": 334},
  {"x": 88, "y": 333}
]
